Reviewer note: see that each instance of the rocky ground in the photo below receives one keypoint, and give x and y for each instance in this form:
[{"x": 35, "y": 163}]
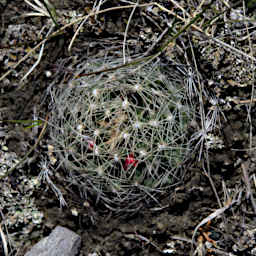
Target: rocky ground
[{"x": 217, "y": 191}]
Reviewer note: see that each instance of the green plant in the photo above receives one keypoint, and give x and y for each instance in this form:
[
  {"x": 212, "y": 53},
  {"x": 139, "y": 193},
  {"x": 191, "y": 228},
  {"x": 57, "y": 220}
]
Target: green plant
[
  {"x": 45, "y": 9},
  {"x": 121, "y": 135},
  {"x": 26, "y": 123}
]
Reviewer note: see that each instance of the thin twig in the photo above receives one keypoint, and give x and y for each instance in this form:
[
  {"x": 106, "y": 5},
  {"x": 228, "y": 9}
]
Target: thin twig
[
  {"x": 221, "y": 252},
  {"x": 248, "y": 186},
  {"x": 126, "y": 29},
  {"x": 181, "y": 8},
  {"x": 211, "y": 217},
  {"x": 4, "y": 242},
  {"x": 253, "y": 78},
  {"x": 93, "y": 13},
  {"x": 83, "y": 18},
  {"x": 142, "y": 238},
  {"x": 156, "y": 42},
  {"x": 38, "y": 60},
  {"x": 233, "y": 49},
  {"x": 8, "y": 172},
  {"x": 244, "y": 101}
]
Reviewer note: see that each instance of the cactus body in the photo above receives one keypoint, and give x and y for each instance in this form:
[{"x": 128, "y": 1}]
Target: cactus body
[{"x": 121, "y": 135}]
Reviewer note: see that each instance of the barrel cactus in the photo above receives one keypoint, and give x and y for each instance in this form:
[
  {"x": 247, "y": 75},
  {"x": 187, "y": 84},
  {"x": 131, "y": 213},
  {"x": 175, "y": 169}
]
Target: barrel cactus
[{"x": 121, "y": 134}]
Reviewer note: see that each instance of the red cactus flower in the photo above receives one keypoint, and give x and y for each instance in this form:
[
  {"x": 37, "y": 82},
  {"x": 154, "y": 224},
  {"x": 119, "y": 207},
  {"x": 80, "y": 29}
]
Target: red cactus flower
[
  {"x": 130, "y": 160},
  {"x": 90, "y": 144}
]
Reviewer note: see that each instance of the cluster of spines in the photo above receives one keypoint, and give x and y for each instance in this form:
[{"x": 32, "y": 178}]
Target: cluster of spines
[{"x": 123, "y": 131}]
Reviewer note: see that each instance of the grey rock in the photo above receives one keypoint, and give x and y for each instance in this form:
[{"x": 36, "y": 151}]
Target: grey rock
[{"x": 61, "y": 242}]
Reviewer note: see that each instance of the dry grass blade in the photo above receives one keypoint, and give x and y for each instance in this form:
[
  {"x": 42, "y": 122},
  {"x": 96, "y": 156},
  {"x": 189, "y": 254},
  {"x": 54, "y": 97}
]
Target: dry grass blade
[
  {"x": 248, "y": 186},
  {"x": 189, "y": 22},
  {"x": 233, "y": 49},
  {"x": 39, "y": 58},
  {"x": 126, "y": 29},
  {"x": 41, "y": 10},
  {"x": 60, "y": 30},
  {"x": 221, "y": 252},
  {"x": 93, "y": 13},
  {"x": 144, "y": 239},
  {"x": 26, "y": 56},
  {"x": 212, "y": 216},
  {"x": 4, "y": 242},
  {"x": 45, "y": 10}
]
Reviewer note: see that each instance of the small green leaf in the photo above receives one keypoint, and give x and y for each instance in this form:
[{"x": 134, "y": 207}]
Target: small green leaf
[{"x": 28, "y": 123}]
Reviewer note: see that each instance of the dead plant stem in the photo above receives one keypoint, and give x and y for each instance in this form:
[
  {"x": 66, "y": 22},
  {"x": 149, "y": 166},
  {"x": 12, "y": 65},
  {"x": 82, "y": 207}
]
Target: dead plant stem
[
  {"x": 248, "y": 186},
  {"x": 8, "y": 172}
]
